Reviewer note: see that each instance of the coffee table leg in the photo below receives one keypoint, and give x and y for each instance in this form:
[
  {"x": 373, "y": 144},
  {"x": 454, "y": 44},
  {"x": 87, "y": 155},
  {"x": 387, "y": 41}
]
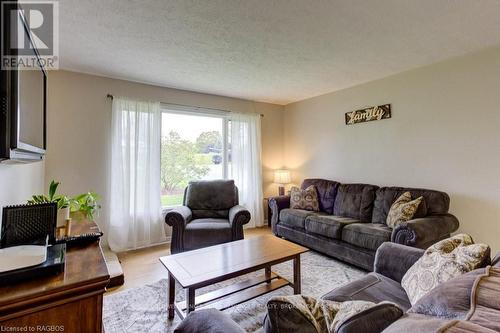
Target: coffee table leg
[
  {"x": 190, "y": 300},
  {"x": 171, "y": 296},
  {"x": 296, "y": 275},
  {"x": 267, "y": 271}
]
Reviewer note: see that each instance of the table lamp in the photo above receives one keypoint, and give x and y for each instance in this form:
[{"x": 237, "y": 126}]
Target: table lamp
[{"x": 282, "y": 177}]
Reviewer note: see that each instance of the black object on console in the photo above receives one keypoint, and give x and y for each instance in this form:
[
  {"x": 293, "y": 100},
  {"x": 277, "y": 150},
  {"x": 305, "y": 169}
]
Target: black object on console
[{"x": 28, "y": 224}]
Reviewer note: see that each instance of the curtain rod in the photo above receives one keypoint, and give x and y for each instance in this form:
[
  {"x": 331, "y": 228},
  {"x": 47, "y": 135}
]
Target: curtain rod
[{"x": 189, "y": 106}]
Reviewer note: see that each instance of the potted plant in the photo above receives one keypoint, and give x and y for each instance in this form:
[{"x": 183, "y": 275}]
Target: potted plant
[
  {"x": 80, "y": 207},
  {"x": 85, "y": 206},
  {"x": 63, "y": 202}
]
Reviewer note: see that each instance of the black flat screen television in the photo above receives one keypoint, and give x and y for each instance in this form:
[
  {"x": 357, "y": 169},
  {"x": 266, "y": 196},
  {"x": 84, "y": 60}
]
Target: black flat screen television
[{"x": 24, "y": 108}]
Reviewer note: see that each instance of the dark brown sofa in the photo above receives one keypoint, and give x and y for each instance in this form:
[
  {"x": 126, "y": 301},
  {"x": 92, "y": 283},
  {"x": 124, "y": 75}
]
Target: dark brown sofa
[{"x": 351, "y": 222}]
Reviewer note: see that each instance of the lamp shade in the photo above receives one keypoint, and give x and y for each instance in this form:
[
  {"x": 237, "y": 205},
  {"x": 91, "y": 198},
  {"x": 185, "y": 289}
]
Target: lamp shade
[{"x": 282, "y": 176}]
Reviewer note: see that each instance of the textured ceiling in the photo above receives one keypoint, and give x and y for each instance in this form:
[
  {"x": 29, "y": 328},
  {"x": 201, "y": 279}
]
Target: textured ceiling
[{"x": 276, "y": 51}]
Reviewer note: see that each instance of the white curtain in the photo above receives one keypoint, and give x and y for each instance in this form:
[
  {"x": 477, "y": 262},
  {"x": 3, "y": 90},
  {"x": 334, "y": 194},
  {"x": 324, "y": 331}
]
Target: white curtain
[
  {"x": 135, "y": 209},
  {"x": 245, "y": 167}
]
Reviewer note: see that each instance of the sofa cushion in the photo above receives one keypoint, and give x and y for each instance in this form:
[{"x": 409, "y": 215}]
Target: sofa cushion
[
  {"x": 372, "y": 287},
  {"x": 327, "y": 190},
  {"x": 206, "y": 232},
  {"x": 327, "y": 225},
  {"x": 402, "y": 210},
  {"x": 355, "y": 201},
  {"x": 306, "y": 199},
  {"x": 443, "y": 261},
  {"x": 295, "y": 218},
  {"x": 366, "y": 235},
  {"x": 435, "y": 202}
]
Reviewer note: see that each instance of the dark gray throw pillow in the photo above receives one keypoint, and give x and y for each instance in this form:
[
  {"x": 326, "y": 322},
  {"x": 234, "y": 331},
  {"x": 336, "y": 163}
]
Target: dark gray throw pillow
[
  {"x": 374, "y": 320},
  {"x": 449, "y": 300},
  {"x": 208, "y": 321}
]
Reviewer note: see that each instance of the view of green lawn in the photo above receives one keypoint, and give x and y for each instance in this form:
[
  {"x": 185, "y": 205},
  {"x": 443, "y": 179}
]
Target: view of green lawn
[
  {"x": 171, "y": 200},
  {"x": 191, "y": 149}
]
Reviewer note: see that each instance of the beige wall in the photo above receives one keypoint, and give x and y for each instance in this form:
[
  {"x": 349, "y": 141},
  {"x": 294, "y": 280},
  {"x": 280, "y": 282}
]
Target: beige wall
[
  {"x": 444, "y": 134},
  {"x": 79, "y": 123},
  {"x": 18, "y": 182}
]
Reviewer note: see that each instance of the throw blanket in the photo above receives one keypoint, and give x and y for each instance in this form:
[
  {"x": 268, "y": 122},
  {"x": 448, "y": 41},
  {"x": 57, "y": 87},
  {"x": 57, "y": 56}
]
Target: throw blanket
[
  {"x": 326, "y": 316},
  {"x": 484, "y": 314}
]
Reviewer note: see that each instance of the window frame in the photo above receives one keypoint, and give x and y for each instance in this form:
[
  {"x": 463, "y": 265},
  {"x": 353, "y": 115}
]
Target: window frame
[{"x": 202, "y": 112}]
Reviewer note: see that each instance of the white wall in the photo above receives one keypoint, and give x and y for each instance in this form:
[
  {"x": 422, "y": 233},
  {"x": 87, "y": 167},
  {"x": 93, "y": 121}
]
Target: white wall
[
  {"x": 444, "y": 134},
  {"x": 18, "y": 182},
  {"x": 79, "y": 123}
]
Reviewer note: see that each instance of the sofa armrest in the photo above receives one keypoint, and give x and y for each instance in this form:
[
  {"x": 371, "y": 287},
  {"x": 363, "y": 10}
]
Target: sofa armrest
[
  {"x": 277, "y": 204},
  {"x": 423, "y": 232},
  {"x": 177, "y": 218},
  {"x": 238, "y": 216},
  {"x": 393, "y": 260}
]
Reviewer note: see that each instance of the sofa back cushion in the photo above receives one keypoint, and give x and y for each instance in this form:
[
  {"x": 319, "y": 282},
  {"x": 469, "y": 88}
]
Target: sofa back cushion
[
  {"x": 211, "y": 198},
  {"x": 327, "y": 190},
  {"x": 435, "y": 202},
  {"x": 355, "y": 201}
]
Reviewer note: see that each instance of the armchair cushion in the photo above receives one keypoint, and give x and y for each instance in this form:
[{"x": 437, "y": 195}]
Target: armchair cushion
[
  {"x": 201, "y": 199},
  {"x": 206, "y": 232},
  {"x": 423, "y": 232}
]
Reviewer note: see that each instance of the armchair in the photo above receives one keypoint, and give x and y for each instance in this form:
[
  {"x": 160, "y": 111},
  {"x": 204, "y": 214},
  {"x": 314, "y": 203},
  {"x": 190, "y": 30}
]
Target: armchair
[{"x": 210, "y": 215}]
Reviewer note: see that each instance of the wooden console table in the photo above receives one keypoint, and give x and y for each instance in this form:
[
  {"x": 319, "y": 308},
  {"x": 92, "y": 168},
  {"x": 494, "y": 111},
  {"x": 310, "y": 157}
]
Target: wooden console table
[{"x": 67, "y": 302}]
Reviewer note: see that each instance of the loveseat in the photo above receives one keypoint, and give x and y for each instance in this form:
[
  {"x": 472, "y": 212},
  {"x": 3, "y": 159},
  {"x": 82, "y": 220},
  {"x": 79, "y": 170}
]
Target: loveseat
[{"x": 351, "y": 223}]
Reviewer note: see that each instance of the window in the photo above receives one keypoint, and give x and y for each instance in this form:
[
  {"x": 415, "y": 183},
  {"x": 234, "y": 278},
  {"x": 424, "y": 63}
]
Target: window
[{"x": 194, "y": 146}]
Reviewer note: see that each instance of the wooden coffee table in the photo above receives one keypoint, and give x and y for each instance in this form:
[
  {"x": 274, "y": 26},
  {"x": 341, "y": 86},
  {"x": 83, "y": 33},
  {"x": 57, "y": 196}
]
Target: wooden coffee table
[{"x": 200, "y": 268}]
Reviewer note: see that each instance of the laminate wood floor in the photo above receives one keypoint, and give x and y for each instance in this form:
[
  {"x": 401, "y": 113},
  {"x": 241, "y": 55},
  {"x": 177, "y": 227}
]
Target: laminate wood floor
[{"x": 143, "y": 266}]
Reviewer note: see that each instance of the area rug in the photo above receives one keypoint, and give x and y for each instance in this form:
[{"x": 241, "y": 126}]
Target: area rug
[{"x": 144, "y": 309}]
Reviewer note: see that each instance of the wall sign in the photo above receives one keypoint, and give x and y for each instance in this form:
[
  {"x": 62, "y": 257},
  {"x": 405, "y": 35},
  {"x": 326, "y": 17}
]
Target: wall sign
[{"x": 368, "y": 114}]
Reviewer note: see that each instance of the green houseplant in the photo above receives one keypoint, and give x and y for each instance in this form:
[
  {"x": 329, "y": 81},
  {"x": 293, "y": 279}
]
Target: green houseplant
[
  {"x": 82, "y": 206},
  {"x": 85, "y": 205},
  {"x": 61, "y": 200}
]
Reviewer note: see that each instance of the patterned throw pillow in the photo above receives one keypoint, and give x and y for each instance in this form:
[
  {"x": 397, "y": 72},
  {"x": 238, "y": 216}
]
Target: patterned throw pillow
[
  {"x": 304, "y": 199},
  {"x": 402, "y": 209},
  {"x": 441, "y": 262}
]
